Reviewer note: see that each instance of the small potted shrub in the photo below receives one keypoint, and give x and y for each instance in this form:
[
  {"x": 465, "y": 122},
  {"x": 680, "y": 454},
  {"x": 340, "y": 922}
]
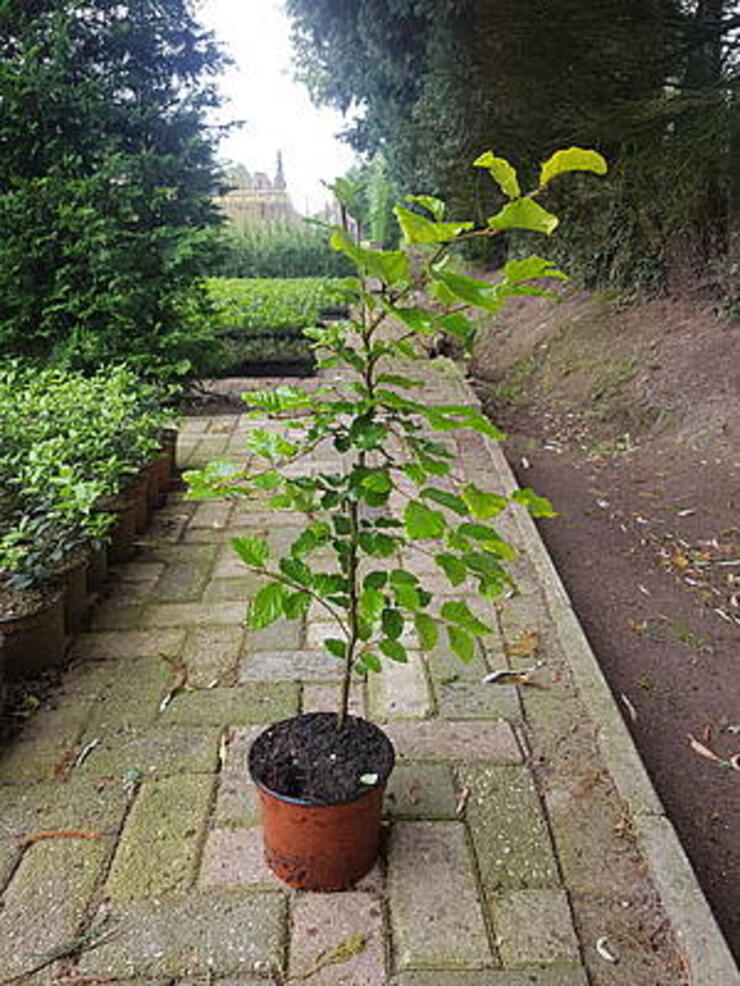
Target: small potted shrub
[{"x": 320, "y": 777}]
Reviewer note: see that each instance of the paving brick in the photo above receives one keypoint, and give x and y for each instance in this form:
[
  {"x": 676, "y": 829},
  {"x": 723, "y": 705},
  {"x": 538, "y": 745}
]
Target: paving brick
[
  {"x": 260, "y": 701},
  {"x": 46, "y": 899},
  {"x": 193, "y": 615},
  {"x": 554, "y": 976},
  {"x": 236, "y": 801},
  {"x": 155, "y": 751},
  {"x": 282, "y": 635},
  {"x": 182, "y": 583},
  {"x": 534, "y": 926},
  {"x": 421, "y": 790},
  {"x": 214, "y": 932},
  {"x": 289, "y": 665},
  {"x": 113, "y": 615},
  {"x": 401, "y": 691},
  {"x": 122, "y": 644},
  {"x": 158, "y": 849},
  {"x": 322, "y": 922},
  {"x": 239, "y": 589},
  {"x": 132, "y": 695},
  {"x": 211, "y": 654},
  {"x": 45, "y": 744},
  {"x": 167, "y": 526},
  {"x": 179, "y": 555},
  {"x": 325, "y": 698},
  {"x": 235, "y": 857},
  {"x": 508, "y": 830},
  {"x": 229, "y": 565},
  {"x": 55, "y": 806},
  {"x": 212, "y": 515},
  {"x": 438, "y": 739},
  {"x": 432, "y": 928}
]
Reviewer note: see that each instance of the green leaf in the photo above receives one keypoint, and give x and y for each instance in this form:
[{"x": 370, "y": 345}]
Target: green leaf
[
  {"x": 426, "y": 627},
  {"x": 251, "y": 549},
  {"x": 430, "y": 203},
  {"x": 502, "y": 173},
  {"x": 461, "y": 643},
  {"x": 391, "y": 266},
  {"x": 336, "y": 646},
  {"x": 369, "y": 662},
  {"x": 398, "y": 380},
  {"x": 372, "y": 602},
  {"x": 266, "y": 607},
  {"x": 392, "y": 622},
  {"x": 419, "y": 229},
  {"x": 377, "y": 545},
  {"x": 375, "y": 580},
  {"x": 516, "y": 271},
  {"x": 457, "y": 325},
  {"x": 377, "y": 482},
  {"x": 422, "y": 523},
  {"x": 482, "y": 504},
  {"x": 401, "y": 577},
  {"x": 457, "y": 611},
  {"x": 445, "y": 499},
  {"x": 538, "y": 506},
  {"x": 415, "y": 473},
  {"x": 394, "y": 650},
  {"x": 525, "y": 214},
  {"x": 475, "y": 292},
  {"x": 296, "y": 570},
  {"x": 296, "y": 605},
  {"x": 408, "y": 597},
  {"x": 417, "y": 319},
  {"x": 453, "y": 568},
  {"x": 572, "y": 159}
]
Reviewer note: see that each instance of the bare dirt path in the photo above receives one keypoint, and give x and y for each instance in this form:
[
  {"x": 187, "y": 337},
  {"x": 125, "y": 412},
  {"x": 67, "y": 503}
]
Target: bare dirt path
[{"x": 647, "y": 539}]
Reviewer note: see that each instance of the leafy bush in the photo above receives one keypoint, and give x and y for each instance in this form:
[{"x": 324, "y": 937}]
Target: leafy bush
[
  {"x": 65, "y": 441},
  {"x": 277, "y": 250},
  {"x": 267, "y": 304}
]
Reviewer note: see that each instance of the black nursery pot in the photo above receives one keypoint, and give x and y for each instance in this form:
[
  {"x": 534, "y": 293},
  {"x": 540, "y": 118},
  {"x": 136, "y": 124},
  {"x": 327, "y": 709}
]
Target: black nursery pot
[{"x": 321, "y": 822}]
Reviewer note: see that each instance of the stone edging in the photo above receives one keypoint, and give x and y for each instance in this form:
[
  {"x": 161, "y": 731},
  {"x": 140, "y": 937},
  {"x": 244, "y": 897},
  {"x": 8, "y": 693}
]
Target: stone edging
[{"x": 708, "y": 958}]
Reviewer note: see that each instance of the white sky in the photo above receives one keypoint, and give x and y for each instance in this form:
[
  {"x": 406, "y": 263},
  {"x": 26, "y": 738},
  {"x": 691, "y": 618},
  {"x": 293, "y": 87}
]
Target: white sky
[{"x": 278, "y": 112}]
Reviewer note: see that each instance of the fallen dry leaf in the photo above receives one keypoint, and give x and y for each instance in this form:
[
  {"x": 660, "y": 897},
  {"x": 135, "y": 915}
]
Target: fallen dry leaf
[{"x": 525, "y": 645}]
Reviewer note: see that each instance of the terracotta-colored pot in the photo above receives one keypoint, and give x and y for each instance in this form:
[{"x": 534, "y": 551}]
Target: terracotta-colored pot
[
  {"x": 137, "y": 489},
  {"x": 122, "y": 532},
  {"x": 97, "y": 567},
  {"x": 74, "y": 580},
  {"x": 320, "y": 847},
  {"x": 161, "y": 473},
  {"x": 36, "y": 641},
  {"x": 168, "y": 438}
]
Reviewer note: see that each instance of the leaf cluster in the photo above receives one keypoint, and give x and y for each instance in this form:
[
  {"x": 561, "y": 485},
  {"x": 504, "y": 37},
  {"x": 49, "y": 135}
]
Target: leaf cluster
[{"x": 65, "y": 442}]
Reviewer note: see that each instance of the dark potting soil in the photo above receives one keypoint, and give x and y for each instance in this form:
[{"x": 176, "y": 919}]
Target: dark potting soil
[{"x": 308, "y": 758}]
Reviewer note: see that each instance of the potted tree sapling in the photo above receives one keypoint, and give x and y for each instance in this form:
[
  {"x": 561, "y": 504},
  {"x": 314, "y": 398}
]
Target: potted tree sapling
[{"x": 394, "y": 491}]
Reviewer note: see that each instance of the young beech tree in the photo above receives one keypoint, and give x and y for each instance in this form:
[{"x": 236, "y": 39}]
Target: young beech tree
[{"x": 106, "y": 175}]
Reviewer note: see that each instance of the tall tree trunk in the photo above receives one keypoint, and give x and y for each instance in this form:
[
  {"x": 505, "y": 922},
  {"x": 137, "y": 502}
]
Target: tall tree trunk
[{"x": 733, "y": 246}]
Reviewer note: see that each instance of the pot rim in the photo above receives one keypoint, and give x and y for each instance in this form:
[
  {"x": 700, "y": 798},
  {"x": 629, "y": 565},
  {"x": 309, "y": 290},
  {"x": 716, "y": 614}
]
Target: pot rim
[
  {"x": 47, "y": 603},
  {"x": 304, "y": 802}
]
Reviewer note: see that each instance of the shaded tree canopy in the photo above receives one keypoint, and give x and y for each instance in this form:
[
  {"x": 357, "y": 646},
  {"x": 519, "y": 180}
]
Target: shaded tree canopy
[
  {"x": 646, "y": 82},
  {"x": 106, "y": 175}
]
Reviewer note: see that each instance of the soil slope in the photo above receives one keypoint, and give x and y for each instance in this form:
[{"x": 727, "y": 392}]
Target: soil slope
[{"x": 628, "y": 418}]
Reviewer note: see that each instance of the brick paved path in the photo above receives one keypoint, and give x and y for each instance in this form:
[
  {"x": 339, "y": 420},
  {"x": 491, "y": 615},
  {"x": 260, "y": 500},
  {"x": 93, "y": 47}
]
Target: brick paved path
[{"x": 509, "y": 852}]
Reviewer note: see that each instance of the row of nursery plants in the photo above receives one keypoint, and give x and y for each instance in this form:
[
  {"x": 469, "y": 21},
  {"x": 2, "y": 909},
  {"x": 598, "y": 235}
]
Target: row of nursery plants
[
  {"x": 261, "y": 321},
  {"x": 278, "y": 250},
  {"x": 73, "y": 449}
]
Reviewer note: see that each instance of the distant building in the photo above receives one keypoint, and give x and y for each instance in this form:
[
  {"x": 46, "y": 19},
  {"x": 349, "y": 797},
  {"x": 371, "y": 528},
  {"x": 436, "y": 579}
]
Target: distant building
[{"x": 256, "y": 199}]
